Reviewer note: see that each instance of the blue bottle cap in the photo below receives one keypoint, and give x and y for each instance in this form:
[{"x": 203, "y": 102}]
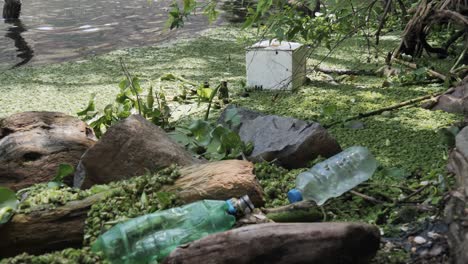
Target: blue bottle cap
[
  {"x": 294, "y": 195},
  {"x": 231, "y": 209}
]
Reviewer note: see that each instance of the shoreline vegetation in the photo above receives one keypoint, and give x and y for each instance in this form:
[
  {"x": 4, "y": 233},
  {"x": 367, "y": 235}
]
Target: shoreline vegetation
[{"x": 407, "y": 142}]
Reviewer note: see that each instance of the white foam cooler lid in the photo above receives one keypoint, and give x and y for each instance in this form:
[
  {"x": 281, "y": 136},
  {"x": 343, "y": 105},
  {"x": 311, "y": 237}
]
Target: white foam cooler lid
[{"x": 275, "y": 45}]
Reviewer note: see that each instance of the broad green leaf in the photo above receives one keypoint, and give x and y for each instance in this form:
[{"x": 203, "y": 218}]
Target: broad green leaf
[
  {"x": 5, "y": 214},
  {"x": 180, "y": 137},
  {"x": 136, "y": 85},
  {"x": 8, "y": 204},
  {"x": 204, "y": 93},
  {"x": 216, "y": 144},
  {"x": 63, "y": 171},
  {"x": 233, "y": 118},
  {"x": 201, "y": 131},
  {"x": 124, "y": 84},
  {"x": 8, "y": 198}
]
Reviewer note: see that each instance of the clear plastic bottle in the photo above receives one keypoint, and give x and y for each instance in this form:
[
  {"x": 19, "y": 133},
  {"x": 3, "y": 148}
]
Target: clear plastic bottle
[
  {"x": 334, "y": 176},
  {"x": 152, "y": 237}
]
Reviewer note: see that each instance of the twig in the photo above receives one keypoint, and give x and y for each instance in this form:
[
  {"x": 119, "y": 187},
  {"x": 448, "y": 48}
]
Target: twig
[
  {"x": 127, "y": 75},
  {"x": 345, "y": 71},
  {"x": 382, "y": 22},
  {"x": 415, "y": 66},
  {"x": 459, "y": 59},
  {"x": 406, "y": 198},
  {"x": 392, "y": 107},
  {"x": 366, "y": 197}
]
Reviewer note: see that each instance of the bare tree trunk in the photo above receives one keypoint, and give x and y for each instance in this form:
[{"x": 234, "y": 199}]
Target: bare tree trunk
[{"x": 11, "y": 9}]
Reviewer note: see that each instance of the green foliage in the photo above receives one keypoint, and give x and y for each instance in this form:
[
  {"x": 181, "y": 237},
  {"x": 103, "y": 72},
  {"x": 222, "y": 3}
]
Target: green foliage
[
  {"x": 66, "y": 256},
  {"x": 131, "y": 198},
  {"x": 63, "y": 171},
  {"x": 127, "y": 102},
  {"x": 276, "y": 182},
  {"x": 178, "y": 14},
  {"x": 8, "y": 204},
  {"x": 46, "y": 196},
  {"x": 213, "y": 142}
]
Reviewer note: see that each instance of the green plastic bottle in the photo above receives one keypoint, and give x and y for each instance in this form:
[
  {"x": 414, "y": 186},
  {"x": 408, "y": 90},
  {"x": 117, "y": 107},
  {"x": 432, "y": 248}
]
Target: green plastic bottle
[{"x": 150, "y": 238}]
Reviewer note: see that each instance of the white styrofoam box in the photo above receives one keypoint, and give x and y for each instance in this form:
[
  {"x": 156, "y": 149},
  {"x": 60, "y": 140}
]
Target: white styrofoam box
[{"x": 274, "y": 65}]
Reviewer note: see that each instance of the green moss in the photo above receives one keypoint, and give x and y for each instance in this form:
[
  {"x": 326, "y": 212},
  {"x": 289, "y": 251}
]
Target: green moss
[
  {"x": 130, "y": 198},
  {"x": 66, "y": 256}
]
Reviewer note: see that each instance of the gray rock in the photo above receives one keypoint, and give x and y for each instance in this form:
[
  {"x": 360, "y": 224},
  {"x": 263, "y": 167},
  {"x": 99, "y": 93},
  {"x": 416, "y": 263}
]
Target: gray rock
[
  {"x": 289, "y": 141},
  {"x": 34, "y": 144},
  {"x": 456, "y": 102},
  {"x": 129, "y": 148}
]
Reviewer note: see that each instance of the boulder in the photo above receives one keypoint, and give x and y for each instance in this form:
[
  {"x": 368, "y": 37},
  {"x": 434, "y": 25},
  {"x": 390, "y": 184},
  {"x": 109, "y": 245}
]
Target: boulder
[
  {"x": 455, "y": 211},
  {"x": 289, "y": 141},
  {"x": 129, "y": 148},
  {"x": 325, "y": 243},
  {"x": 34, "y": 144},
  {"x": 455, "y": 102}
]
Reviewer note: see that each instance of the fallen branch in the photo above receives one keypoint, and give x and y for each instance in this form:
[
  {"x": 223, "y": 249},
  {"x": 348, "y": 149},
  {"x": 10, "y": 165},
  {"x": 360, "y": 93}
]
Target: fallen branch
[
  {"x": 344, "y": 71},
  {"x": 414, "y": 66},
  {"x": 392, "y": 107},
  {"x": 367, "y": 197},
  {"x": 325, "y": 243},
  {"x": 63, "y": 227}
]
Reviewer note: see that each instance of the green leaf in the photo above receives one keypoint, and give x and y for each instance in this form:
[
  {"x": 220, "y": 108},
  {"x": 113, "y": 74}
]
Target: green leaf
[
  {"x": 5, "y": 214},
  {"x": 63, "y": 171},
  {"x": 8, "y": 204},
  {"x": 233, "y": 118},
  {"x": 124, "y": 84},
  {"x": 136, "y": 86},
  {"x": 201, "y": 131},
  {"x": 8, "y": 198},
  {"x": 204, "y": 93},
  {"x": 180, "y": 137},
  {"x": 216, "y": 145},
  {"x": 144, "y": 199},
  {"x": 90, "y": 107},
  {"x": 150, "y": 98},
  {"x": 164, "y": 199}
]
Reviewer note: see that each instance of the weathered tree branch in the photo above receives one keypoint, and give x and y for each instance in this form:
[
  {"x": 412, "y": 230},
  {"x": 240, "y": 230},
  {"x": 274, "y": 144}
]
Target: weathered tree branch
[
  {"x": 325, "y": 243},
  {"x": 63, "y": 227}
]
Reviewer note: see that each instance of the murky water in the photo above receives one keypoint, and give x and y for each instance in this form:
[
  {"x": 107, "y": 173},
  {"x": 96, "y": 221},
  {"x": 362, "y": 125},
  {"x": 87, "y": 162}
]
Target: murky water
[{"x": 59, "y": 30}]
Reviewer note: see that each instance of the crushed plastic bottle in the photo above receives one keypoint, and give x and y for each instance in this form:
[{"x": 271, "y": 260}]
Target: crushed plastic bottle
[
  {"x": 152, "y": 237},
  {"x": 334, "y": 176}
]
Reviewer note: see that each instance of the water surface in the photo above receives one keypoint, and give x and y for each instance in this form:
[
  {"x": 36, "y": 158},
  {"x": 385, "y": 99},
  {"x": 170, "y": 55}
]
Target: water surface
[{"x": 59, "y": 30}]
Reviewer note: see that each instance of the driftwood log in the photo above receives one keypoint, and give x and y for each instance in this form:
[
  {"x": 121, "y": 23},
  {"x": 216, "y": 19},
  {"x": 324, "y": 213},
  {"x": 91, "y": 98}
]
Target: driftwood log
[
  {"x": 34, "y": 144},
  {"x": 325, "y": 243},
  {"x": 218, "y": 180},
  {"x": 63, "y": 227}
]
